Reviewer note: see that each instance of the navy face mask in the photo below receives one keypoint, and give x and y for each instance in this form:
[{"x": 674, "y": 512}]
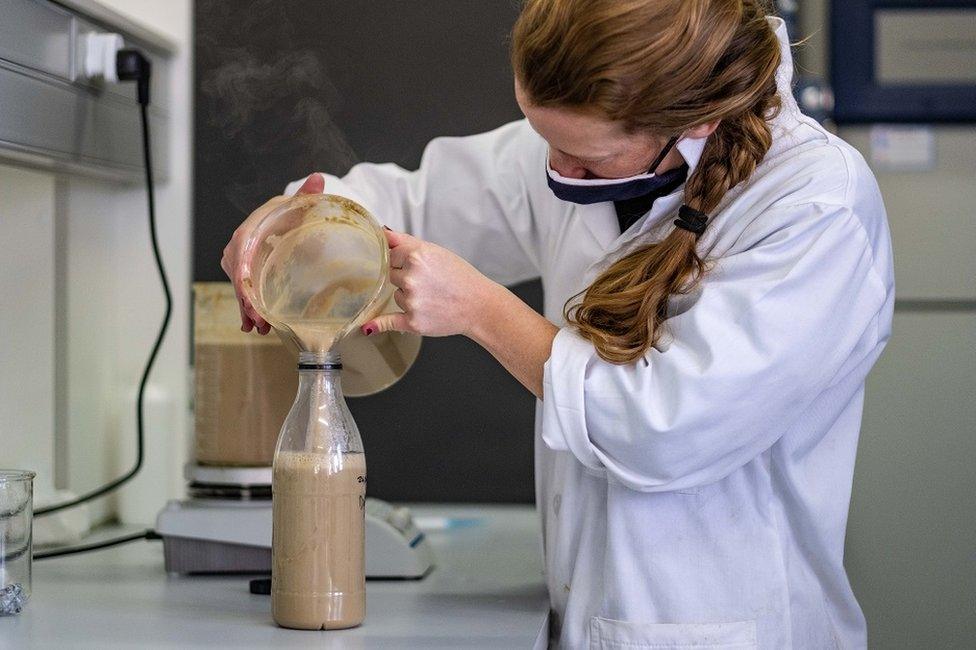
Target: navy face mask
[{"x": 601, "y": 190}]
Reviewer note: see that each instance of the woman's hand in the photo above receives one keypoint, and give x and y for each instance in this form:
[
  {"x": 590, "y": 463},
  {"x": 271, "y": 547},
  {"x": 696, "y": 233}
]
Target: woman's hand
[
  {"x": 233, "y": 262},
  {"x": 440, "y": 293}
]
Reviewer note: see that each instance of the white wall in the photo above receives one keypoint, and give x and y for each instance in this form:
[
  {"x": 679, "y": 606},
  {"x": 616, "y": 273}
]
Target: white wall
[
  {"x": 27, "y": 323},
  {"x": 83, "y": 267},
  {"x": 171, "y": 18},
  {"x": 115, "y": 303}
]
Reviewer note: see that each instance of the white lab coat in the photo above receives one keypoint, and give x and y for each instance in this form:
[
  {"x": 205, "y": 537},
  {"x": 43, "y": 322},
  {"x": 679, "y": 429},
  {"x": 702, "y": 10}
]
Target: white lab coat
[{"x": 699, "y": 496}]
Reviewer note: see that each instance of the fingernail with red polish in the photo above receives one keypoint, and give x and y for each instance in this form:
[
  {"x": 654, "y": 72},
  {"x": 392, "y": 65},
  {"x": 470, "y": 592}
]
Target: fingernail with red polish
[{"x": 368, "y": 330}]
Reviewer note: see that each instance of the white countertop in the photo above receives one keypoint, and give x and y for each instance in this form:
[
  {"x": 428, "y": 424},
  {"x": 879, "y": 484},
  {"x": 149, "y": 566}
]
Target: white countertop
[{"x": 487, "y": 591}]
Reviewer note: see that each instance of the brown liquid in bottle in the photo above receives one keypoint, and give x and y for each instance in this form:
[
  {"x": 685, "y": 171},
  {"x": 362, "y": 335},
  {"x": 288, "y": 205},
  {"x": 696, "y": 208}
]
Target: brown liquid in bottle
[{"x": 318, "y": 563}]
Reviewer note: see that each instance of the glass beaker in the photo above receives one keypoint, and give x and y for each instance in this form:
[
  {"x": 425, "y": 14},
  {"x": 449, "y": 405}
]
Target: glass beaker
[
  {"x": 243, "y": 384},
  {"x": 316, "y": 268},
  {"x": 313, "y": 265},
  {"x": 16, "y": 518},
  {"x": 318, "y": 574}
]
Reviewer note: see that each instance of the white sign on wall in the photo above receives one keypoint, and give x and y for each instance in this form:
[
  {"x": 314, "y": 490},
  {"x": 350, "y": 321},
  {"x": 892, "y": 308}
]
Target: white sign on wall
[{"x": 902, "y": 148}]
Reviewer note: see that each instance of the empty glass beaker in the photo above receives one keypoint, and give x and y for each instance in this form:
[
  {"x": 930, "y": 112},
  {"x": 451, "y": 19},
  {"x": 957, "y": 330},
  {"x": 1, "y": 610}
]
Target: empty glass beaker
[{"x": 16, "y": 517}]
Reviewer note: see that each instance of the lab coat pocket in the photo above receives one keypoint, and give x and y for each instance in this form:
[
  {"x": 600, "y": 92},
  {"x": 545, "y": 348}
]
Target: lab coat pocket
[{"x": 608, "y": 634}]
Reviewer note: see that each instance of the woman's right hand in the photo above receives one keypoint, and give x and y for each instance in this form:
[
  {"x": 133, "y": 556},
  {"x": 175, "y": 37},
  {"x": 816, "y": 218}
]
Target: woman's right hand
[{"x": 234, "y": 263}]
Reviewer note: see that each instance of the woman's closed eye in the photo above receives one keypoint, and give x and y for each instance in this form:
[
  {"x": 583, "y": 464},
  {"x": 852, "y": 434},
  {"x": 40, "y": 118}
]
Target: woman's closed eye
[{"x": 593, "y": 161}]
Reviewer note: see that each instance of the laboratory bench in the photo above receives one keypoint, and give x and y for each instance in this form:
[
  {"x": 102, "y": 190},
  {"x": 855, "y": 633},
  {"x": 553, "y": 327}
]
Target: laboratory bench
[{"x": 486, "y": 591}]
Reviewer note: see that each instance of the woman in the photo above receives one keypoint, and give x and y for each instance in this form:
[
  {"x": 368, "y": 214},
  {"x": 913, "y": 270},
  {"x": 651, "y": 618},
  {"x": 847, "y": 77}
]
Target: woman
[{"x": 726, "y": 271}]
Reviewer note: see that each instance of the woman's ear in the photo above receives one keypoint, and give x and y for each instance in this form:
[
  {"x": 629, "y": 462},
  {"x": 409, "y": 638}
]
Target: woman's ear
[{"x": 702, "y": 130}]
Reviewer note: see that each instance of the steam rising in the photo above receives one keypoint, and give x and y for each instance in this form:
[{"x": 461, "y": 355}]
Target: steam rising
[{"x": 272, "y": 111}]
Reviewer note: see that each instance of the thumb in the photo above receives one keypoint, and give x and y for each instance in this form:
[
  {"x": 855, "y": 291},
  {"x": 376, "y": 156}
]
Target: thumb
[
  {"x": 314, "y": 184},
  {"x": 386, "y": 323}
]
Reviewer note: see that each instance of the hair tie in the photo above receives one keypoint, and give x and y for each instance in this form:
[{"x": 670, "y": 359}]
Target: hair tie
[{"x": 692, "y": 220}]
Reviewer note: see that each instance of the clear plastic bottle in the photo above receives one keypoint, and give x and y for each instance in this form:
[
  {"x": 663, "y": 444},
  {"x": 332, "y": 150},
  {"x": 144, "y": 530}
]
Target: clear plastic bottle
[{"x": 318, "y": 578}]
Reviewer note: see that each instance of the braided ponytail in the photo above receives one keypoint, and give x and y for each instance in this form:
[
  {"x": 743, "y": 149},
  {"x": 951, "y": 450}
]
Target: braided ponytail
[
  {"x": 664, "y": 67},
  {"x": 623, "y": 311}
]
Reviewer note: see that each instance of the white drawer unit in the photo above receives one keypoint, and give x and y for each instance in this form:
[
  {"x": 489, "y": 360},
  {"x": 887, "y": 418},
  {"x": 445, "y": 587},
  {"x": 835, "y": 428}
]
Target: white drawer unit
[{"x": 51, "y": 116}]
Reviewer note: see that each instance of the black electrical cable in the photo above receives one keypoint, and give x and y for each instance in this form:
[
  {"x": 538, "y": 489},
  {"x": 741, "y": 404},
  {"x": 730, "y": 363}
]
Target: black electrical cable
[
  {"x": 149, "y": 533},
  {"x": 134, "y": 58}
]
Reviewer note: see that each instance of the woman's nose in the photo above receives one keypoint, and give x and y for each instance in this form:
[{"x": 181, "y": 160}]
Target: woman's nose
[{"x": 565, "y": 165}]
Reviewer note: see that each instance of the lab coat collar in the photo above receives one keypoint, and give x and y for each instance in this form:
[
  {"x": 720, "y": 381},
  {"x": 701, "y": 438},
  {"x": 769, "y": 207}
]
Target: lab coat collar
[
  {"x": 691, "y": 150},
  {"x": 784, "y": 73}
]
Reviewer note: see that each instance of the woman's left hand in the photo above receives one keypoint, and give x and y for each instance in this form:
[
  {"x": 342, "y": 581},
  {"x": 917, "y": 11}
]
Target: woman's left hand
[{"x": 440, "y": 293}]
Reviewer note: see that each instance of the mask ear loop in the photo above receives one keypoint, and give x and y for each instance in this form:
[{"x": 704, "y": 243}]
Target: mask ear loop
[
  {"x": 664, "y": 154},
  {"x": 694, "y": 221}
]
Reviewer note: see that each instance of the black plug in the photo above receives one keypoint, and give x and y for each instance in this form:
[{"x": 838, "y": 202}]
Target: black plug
[
  {"x": 132, "y": 65},
  {"x": 260, "y": 586}
]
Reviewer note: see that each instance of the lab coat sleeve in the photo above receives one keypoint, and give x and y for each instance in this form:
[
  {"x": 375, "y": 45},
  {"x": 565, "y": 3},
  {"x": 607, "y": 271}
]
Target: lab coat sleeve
[
  {"x": 468, "y": 195},
  {"x": 772, "y": 328}
]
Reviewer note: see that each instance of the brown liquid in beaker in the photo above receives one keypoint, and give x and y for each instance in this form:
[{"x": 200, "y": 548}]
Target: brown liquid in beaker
[{"x": 244, "y": 388}]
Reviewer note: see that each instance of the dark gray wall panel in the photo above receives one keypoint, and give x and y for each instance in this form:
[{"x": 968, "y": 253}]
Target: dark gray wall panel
[{"x": 285, "y": 88}]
